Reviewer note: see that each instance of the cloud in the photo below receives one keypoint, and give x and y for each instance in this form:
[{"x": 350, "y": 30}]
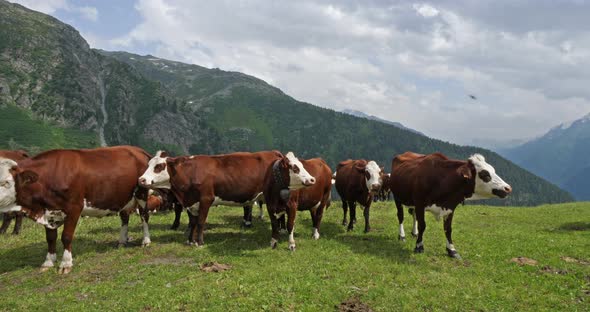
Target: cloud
[
  {"x": 410, "y": 62},
  {"x": 51, "y": 6}
]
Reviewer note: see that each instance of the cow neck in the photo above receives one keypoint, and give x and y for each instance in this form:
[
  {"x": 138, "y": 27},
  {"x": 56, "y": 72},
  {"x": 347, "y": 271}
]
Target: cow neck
[
  {"x": 280, "y": 182},
  {"x": 470, "y": 190}
]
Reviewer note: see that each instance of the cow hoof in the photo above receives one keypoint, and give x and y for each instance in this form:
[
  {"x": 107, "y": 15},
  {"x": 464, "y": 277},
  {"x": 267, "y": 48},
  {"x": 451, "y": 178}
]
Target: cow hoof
[
  {"x": 174, "y": 227},
  {"x": 44, "y": 269},
  {"x": 64, "y": 270},
  {"x": 292, "y": 247},
  {"x": 454, "y": 254},
  {"x": 273, "y": 244},
  {"x": 189, "y": 243},
  {"x": 414, "y": 234},
  {"x": 315, "y": 236},
  {"x": 121, "y": 245},
  {"x": 146, "y": 242},
  {"x": 367, "y": 230},
  {"x": 349, "y": 229},
  {"x": 283, "y": 231},
  {"x": 419, "y": 249},
  {"x": 402, "y": 238},
  {"x": 247, "y": 225},
  {"x": 344, "y": 223}
]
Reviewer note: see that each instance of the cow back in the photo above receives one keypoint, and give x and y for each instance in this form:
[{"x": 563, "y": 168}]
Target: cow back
[
  {"x": 350, "y": 182},
  {"x": 309, "y": 197}
]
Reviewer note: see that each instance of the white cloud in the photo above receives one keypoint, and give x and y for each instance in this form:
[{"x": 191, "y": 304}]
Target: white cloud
[
  {"x": 51, "y": 6},
  {"x": 413, "y": 63}
]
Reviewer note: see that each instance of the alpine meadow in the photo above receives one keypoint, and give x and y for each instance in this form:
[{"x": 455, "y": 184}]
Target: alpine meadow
[{"x": 524, "y": 246}]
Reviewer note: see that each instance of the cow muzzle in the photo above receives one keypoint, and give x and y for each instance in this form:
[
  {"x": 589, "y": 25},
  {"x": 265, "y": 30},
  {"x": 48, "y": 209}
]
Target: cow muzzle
[
  {"x": 502, "y": 193},
  {"x": 309, "y": 182},
  {"x": 143, "y": 182},
  {"x": 375, "y": 187}
]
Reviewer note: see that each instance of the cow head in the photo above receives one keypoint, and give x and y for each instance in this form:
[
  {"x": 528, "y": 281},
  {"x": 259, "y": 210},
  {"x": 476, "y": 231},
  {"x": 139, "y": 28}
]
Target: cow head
[
  {"x": 7, "y": 185},
  {"x": 487, "y": 183},
  {"x": 372, "y": 174},
  {"x": 156, "y": 175},
  {"x": 298, "y": 176}
]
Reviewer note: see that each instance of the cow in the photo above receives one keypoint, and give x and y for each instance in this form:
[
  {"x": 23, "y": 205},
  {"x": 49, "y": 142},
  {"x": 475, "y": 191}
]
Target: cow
[
  {"x": 17, "y": 215},
  {"x": 384, "y": 191},
  {"x": 164, "y": 200},
  {"x": 438, "y": 184},
  {"x": 357, "y": 181},
  {"x": 201, "y": 181},
  {"x": 56, "y": 187},
  {"x": 285, "y": 197}
]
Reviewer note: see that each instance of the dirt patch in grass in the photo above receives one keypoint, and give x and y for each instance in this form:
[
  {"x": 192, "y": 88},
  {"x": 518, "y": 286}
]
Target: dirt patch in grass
[
  {"x": 524, "y": 261},
  {"x": 167, "y": 260},
  {"x": 574, "y": 260},
  {"x": 551, "y": 270},
  {"x": 214, "y": 267},
  {"x": 353, "y": 304}
]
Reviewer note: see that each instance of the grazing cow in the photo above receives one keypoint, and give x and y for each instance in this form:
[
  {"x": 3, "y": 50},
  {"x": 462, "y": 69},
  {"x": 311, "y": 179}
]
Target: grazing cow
[
  {"x": 357, "y": 181},
  {"x": 384, "y": 191},
  {"x": 58, "y": 186},
  {"x": 17, "y": 215},
  {"x": 438, "y": 184},
  {"x": 199, "y": 182},
  {"x": 285, "y": 197},
  {"x": 164, "y": 200}
]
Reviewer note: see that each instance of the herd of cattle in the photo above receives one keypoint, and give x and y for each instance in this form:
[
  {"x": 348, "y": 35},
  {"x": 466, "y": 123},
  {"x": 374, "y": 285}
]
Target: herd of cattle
[{"x": 56, "y": 187}]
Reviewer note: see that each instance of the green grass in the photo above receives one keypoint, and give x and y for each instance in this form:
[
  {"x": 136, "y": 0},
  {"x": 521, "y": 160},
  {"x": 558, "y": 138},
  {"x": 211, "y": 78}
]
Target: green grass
[{"x": 375, "y": 267}]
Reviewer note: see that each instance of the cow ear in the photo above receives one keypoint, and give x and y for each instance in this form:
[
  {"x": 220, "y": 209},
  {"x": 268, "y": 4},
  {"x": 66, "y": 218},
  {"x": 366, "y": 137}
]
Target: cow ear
[
  {"x": 465, "y": 172},
  {"x": 360, "y": 165},
  {"x": 27, "y": 177},
  {"x": 284, "y": 163}
]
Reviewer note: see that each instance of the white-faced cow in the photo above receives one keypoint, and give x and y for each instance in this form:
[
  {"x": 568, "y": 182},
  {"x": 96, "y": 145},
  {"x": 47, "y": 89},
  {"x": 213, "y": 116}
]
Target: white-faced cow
[
  {"x": 357, "y": 181},
  {"x": 200, "y": 181},
  {"x": 58, "y": 186},
  {"x": 292, "y": 185},
  {"x": 17, "y": 215},
  {"x": 438, "y": 184}
]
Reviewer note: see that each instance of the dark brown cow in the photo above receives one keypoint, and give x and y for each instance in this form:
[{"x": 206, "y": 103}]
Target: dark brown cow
[
  {"x": 199, "y": 182},
  {"x": 57, "y": 187},
  {"x": 437, "y": 184},
  {"x": 17, "y": 215},
  {"x": 357, "y": 181},
  {"x": 384, "y": 191},
  {"x": 164, "y": 200},
  {"x": 282, "y": 197}
]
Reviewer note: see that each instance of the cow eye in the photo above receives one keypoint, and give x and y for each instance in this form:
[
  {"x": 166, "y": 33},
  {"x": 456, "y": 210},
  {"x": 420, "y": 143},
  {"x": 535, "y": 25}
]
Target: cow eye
[
  {"x": 295, "y": 169},
  {"x": 485, "y": 176},
  {"x": 367, "y": 175},
  {"x": 159, "y": 168},
  {"x": 5, "y": 184}
]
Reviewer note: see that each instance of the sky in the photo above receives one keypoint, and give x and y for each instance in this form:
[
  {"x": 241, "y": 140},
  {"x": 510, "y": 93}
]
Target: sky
[{"x": 527, "y": 63}]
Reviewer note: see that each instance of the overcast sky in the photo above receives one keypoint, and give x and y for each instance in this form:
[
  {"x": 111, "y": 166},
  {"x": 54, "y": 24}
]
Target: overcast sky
[{"x": 526, "y": 62}]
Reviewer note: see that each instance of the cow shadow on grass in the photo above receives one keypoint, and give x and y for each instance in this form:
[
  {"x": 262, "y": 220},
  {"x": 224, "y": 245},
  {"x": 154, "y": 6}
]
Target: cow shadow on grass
[
  {"x": 33, "y": 255},
  {"x": 574, "y": 226}
]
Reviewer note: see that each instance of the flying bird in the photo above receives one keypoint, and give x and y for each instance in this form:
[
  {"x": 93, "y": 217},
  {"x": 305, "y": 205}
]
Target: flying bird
[{"x": 473, "y": 97}]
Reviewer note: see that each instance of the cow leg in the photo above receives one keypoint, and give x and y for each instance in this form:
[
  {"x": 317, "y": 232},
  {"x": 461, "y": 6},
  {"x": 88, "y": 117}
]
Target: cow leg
[
  {"x": 291, "y": 214},
  {"x": 177, "y": 215},
  {"x": 193, "y": 219},
  {"x": 419, "y": 212},
  {"x": 448, "y": 231},
  {"x": 345, "y": 210},
  {"x": 260, "y": 211},
  {"x": 145, "y": 218},
  {"x": 17, "y": 223},
  {"x": 274, "y": 224},
  {"x": 6, "y": 219},
  {"x": 400, "y": 219},
  {"x": 352, "y": 221},
  {"x": 412, "y": 211},
  {"x": 51, "y": 258},
  {"x": 282, "y": 224},
  {"x": 366, "y": 214},
  {"x": 67, "y": 237},
  {"x": 247, "y": 222},
  {"x": 124, "y": 236},
  {"x": 202, "y": 219},
  {"x": 317, "y": 220}
]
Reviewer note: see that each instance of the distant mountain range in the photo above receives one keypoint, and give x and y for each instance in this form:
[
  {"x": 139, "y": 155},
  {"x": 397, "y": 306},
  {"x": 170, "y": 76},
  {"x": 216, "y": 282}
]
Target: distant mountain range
[
  {"x": 372, "y": 117},
  {"x": 55, "y": 91},
  {"x": 561, "y": 156}
]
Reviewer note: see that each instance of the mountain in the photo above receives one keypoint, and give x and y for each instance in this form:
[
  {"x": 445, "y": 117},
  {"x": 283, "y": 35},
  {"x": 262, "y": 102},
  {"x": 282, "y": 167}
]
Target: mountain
[
  {"x": 562, "y": 155},
  {"x": 372, "y": 117},
  {"x": 58, "y": 92}
]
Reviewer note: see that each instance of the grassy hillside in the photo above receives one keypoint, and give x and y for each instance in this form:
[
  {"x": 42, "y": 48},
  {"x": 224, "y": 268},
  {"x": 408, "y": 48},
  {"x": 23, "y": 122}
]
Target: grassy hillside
[
  {"x": 19, "y": 129},
  {"x": 375, "y": 268}
]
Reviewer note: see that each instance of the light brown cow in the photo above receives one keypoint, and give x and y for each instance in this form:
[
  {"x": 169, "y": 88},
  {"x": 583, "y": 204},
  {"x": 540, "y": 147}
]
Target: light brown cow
[
  {"x": 58, "y": 186},
  {"x": 282, "y": 198}
]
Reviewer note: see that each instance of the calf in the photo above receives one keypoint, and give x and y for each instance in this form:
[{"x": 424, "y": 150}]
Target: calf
[
  {"x": 199, "y": 182},
  {"x": 287, "y": 194},
  {"x": 57, "y": 187},
  {"x": 17, "y": 215},
  {"x": 438, "y": 184},
  {"x": 357, "y": 181}
]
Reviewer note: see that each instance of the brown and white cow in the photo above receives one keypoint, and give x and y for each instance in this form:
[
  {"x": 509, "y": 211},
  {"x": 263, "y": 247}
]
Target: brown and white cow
[
  {"x": 58, "y": 186},
  {"x": 438, "y": 184},
  {"x": 283, "y": 196},
  {"x": 357, "y": 181},
  {"x": 17, "y": 215},
  {"x": 200, "y": 181}
]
